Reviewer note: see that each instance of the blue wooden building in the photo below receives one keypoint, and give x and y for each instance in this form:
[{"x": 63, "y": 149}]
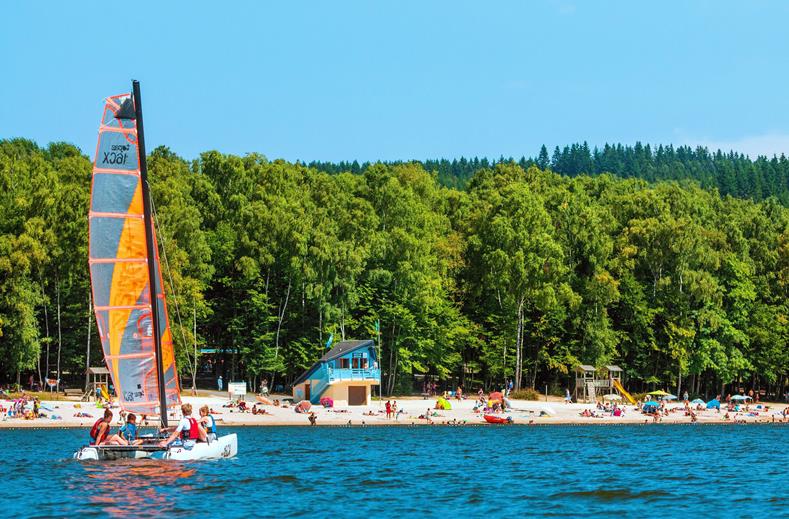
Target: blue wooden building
[{"x": 346, "y": 374}]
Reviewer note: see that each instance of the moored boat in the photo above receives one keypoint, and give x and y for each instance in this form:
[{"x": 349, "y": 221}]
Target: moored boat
[{"x": 498, "y": 419}]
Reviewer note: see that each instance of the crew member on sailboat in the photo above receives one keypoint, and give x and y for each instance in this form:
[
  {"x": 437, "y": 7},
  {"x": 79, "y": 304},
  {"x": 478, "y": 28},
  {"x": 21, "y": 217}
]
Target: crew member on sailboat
[
  {"x": 100, "y": 432},
  {"x": 189, "y": 430}
]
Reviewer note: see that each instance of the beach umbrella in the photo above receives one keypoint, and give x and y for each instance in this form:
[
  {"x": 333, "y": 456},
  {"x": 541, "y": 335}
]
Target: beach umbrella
[
  {"x": 612, "y": 396},
  {"x": 698, "y": 401},
  {"x": 659, "y": 392},
  {"x": 669, "y": 397},
  {"x": 650, "y": 404},
  {"x": 740, "y": 397},
  {"x": 713, "y": 404}
]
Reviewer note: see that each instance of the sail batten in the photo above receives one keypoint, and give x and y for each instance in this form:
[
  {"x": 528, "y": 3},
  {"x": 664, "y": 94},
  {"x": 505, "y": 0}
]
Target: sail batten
[{"x": 119, "y": 267}]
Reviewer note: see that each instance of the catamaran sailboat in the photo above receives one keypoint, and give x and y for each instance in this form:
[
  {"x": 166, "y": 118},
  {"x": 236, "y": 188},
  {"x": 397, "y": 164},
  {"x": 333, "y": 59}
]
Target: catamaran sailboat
[{"x": 128, "y": 295}]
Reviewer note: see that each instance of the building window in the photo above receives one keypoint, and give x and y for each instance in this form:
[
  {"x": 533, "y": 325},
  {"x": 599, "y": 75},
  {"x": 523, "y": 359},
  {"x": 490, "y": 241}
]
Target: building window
[{"x": 344, "y": 363}]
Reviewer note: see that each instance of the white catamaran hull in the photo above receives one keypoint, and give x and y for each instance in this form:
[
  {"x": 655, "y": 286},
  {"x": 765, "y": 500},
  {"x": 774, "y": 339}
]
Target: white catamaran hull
[
  {"x": 92, "y": 453},
  {"x": 223, "y": 447}
]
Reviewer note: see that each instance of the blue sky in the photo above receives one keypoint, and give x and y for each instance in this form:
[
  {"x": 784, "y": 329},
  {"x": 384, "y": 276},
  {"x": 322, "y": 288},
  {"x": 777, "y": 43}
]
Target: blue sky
[{"x": 401, "y": 80}]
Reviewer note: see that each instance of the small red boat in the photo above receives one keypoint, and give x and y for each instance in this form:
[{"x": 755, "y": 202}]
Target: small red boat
[{"x": 497, "y": 419}]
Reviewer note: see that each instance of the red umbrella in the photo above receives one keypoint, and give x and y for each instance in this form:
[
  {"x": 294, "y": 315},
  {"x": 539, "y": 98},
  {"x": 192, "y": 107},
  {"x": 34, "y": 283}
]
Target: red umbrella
[
  {"x": 496, "y": 396},
  {"x": 303, "y": 406}
]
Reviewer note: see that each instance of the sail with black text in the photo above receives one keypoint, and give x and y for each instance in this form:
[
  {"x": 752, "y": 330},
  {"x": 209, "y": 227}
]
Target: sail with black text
[{"x": 119, "y": 270}]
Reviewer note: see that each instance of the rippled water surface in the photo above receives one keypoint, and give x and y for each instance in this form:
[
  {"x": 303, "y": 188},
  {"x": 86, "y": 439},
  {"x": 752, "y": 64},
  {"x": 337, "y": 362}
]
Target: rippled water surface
[{"x": 718, "y": 471}]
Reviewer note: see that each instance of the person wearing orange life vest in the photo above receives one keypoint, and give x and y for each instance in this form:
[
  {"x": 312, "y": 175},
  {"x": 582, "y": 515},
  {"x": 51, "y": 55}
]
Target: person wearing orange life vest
[{"x": 188, "y": 430}]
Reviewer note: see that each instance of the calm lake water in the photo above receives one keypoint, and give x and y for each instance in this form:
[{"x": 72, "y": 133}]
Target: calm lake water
[{"x": 718, "y": 471}]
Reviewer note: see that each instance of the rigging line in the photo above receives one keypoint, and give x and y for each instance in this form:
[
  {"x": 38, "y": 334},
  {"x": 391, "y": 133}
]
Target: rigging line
[{"x": 169, "y": 272}]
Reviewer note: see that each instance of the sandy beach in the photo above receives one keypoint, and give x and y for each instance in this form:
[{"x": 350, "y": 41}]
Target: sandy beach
[{"x": 553, "y": 412}]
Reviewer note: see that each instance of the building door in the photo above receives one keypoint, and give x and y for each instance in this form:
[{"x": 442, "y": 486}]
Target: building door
[
  {"x": 357, "y": 395},
  {"x": 307, "y": 392}
]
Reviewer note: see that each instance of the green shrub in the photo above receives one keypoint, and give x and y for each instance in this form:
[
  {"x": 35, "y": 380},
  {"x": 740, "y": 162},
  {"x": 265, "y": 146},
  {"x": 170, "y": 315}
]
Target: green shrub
[{"x": 526, "y": 394}]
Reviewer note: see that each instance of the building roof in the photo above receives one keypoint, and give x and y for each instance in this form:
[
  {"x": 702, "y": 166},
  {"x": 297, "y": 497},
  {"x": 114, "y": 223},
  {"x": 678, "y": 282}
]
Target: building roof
[
  {"x": 586, "y": 367},
  {"x": 339, "y": 349},
  {"x": 98, "y": 371},
  {"x": 613, "y": 367}
]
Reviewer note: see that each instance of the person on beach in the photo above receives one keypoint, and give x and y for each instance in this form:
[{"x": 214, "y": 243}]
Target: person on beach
[
  {"x": 129, "y": 431},
  {"x": 219, "y": 383},
  {"x": 313, "y": 419},
  {"x": 188, "y": 429},
  {"x": 388, "y": 410},
  {"x": 568, "y": 399},
  {"x": 208, "y": 423},
  {"x": 394, "y": 409}
]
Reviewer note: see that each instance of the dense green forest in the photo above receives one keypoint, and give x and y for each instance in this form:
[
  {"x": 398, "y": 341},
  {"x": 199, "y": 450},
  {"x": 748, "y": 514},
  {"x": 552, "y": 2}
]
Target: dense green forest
[
  {"x": 732, "y": 173},
  {"x": 524, "y": 273}
]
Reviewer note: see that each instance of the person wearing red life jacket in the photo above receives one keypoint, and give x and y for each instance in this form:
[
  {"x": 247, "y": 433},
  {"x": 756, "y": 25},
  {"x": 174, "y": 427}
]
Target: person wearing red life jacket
[
  {"x": 188, "y": 430},
  {"x": 100, "y": 432},
  {"x": 101, "y": 429}
]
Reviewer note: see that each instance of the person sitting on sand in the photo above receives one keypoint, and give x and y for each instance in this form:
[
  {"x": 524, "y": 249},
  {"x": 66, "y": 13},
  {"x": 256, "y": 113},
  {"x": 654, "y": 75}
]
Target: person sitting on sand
[
  {"x": 208, "y": 423},
  {"x": 129, "y": 431},
  {"x": 188, "y": 429},
  {"x": 257, "y": 411}
]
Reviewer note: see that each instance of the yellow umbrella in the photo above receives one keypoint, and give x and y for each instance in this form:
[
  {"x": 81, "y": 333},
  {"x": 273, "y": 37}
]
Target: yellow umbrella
[{"x": 658, "y": 393}]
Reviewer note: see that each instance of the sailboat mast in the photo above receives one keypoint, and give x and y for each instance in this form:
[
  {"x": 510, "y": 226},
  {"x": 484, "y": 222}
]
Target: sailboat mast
[{"x": 151, "y": 251}]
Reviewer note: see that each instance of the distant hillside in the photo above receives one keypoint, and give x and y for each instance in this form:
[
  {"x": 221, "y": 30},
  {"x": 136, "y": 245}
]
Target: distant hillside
[{"x": 731, "y": 173}]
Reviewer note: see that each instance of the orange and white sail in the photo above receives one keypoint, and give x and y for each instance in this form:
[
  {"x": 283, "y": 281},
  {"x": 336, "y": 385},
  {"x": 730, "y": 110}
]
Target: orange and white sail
[{"x": 119, "y": 268}]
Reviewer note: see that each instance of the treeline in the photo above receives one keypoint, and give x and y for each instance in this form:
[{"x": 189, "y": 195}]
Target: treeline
[
  {"x": 524, "y": 274},
  {"x": 730, "y": 173}
]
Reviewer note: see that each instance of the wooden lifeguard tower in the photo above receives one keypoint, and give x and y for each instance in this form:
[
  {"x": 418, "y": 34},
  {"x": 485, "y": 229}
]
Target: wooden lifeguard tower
[
  {"x": 614, "y": 373},
  {"x": 100, "y": 380},
  {"x": 588, "y": 386},
  {"x": 585, "y": 379}
]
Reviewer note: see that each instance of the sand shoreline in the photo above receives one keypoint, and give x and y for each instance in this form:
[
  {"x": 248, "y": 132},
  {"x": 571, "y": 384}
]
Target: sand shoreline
[{"x": 553, "y": 412}]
